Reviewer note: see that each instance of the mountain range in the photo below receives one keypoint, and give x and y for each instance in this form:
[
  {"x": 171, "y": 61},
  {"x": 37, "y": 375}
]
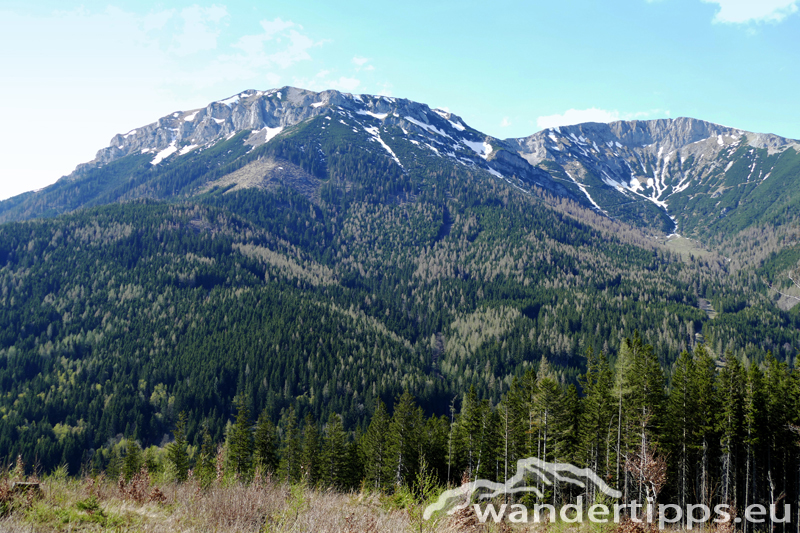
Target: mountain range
[
  {"x": 321, "y": 251},
  {"x": 672, "y": 175}
]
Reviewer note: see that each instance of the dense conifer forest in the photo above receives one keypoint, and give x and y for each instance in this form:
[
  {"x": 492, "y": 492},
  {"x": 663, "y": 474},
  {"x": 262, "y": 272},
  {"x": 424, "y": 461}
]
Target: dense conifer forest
[{"x": 396, "y": 325}]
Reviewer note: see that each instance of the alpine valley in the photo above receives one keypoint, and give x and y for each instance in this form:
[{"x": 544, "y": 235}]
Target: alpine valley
[{"x": 318, "y": 252}]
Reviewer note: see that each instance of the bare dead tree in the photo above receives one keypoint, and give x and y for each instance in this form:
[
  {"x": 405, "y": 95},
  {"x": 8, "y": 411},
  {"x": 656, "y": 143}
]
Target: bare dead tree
[{"x": 649, "y": 469}]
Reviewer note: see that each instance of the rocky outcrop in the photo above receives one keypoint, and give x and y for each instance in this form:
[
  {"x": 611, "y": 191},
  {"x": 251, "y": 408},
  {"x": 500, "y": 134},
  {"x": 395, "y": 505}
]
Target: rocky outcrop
[
  {"x": 650, "y": 160},
  {"x": 264, "y": 113}
]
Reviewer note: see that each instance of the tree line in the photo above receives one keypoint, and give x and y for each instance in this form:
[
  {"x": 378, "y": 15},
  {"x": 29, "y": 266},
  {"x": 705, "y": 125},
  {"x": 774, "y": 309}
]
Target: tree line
[{"x": 720, "y": 430}]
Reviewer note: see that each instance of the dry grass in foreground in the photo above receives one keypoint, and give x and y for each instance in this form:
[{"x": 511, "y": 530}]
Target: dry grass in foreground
[
  {"x": 97, "y": 504},
  {"x": 263, "y": 506}
]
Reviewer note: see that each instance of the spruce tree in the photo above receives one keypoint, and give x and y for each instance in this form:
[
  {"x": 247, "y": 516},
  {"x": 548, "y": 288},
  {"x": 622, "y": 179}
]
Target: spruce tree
[
  {"x": 680, "y": 427},
  {"x": 491, "y": 446},
  {"x": 640, "y": 390},
  {"x": 778, "y": 440},
  {"x": 706, "y": 409},
  {"x": 292, "y": 447},
  {"x": 240, "y": 454},
  {"x": 335, "y": 453},
  {"x": 404, "y": 440},
  {"x": 520, "y": 399},
  {"x": 568, "y": 426},
  {"x": 115, "y": 464},
  {"x": 205, "y": 468},
  {"x": 730, "y": 393},
  {"x": 177, "y": 453},
  {"x": 548, "y": 409},
  {"x": 597, "y": 413},
  {"x": 623, "y": 390},
  {"x": 374, "y": 448},
  {"x": 265, "y": 449},
  {"x": 549, "y": 413},
  {"x": 471, "y": 427},
  {"x": 132, "y": 462},
  {"x": 434, "y": 443},
  {"x": 310, "y": 462},
  {"x": 754, "y": 417}
]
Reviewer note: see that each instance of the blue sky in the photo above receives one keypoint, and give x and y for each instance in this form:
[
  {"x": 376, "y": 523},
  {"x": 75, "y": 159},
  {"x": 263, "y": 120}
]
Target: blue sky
[{"x": 73, "y": 75}]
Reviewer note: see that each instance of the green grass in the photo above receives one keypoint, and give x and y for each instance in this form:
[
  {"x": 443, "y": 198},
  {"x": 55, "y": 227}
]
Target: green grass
[{"x": 685, "y": 247}]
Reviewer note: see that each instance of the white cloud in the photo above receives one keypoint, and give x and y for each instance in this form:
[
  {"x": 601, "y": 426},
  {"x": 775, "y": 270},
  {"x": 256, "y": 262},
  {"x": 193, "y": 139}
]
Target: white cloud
[
  {"x": 254, "y": 47},
  {"x": 153, "y": 63},
  {"x": 272, "y": 27},
  {"x": 743, "y": 11},
  {"x": 577, "y": 116},
  {"x": 157, "y": 20},
  {"x": 252, "y": 58},
  {"x": 505, "y": 122},
  {"x": 201, "y": 27},
  {"x": 295, "y": 52},
  {"x": 361, "y": 63}
]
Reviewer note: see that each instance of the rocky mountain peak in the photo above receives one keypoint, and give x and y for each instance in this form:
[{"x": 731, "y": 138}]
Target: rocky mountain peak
[{"x": 266, "y": 114}]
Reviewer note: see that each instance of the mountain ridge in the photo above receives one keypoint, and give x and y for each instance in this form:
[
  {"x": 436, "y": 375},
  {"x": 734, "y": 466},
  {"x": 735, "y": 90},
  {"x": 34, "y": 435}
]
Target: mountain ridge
[
  {"x": 356, "y": 255},
  {"x": 679, "y": 175}
]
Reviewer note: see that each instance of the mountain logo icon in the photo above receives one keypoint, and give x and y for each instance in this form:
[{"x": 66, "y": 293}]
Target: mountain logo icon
[{"x": 528, "y": 469}]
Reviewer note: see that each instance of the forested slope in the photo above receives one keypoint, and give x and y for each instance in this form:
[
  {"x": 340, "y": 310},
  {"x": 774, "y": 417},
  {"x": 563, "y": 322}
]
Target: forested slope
[{"x": 116, "y": 318}]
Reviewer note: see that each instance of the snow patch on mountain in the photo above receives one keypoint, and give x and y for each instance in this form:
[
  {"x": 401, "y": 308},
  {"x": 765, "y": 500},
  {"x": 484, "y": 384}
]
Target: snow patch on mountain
[
  {"x": 186, "y": 149},
  {"x": 379, "y": 116},
  {"x": 482, "y": 148},
  {"x": 272, "y": 132},
  {"x": 375, "y": 135},
  {"x": 163, "y": 154}
]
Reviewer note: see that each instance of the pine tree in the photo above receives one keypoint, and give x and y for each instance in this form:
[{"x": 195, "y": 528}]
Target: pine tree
[
  {"x": 335, "y": 453},
  {"x": 374, "y": 447},
  {"x": 205, "y": 468},
  {"x": 597, "y": 415},
  {"x": 640, "y": 388},
  {"x": 177, "y": 453},
  {"x": 240, "y": 453},
  {"x": 568, "y": 427},
  {"x": 548, "y": 407},
  {"x": 292, "y": 447},
  {"x": 265, "y": 450},
  {"x": 730, "y": 392},
  {"x": 132, "y": 462},
  {"x": 115, "y": 464},
  {"x": 434, "y": 444},
  {"x": 777, "y": 436},
  {"x": 471, "y": 433},
  {"x": 706, "y": 409},
  {"x": 491, "y": 445},
  {"x": 520, "y": 399},
  {"x": 310, "y": 460},
  {"x": 754, "y": 416},
  {"x": 404, "y": 440},
  {"x": 681, "y": 415}
]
